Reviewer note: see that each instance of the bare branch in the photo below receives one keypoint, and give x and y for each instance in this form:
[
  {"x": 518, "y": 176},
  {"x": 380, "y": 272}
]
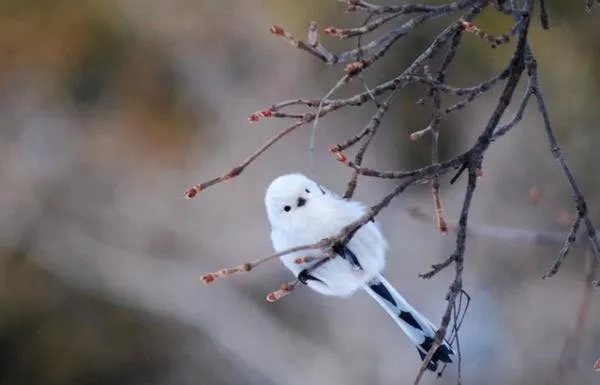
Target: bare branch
[
  {"x": 278, "y": 31},
  {"x": 345, "y": 33},
  {"x": 457, "y": 257},
  {"x": 492, "y": 39},
  {"x": 284, "y": 290},
  {"x": 571, "y": 237},
  {"x": 402, "y": 9},
  {"x": 580, "y": 203},
  {"x": 420, "y": 73},
  {"x": 194, "y": 190},
  {"x": 249, "y": 266}
]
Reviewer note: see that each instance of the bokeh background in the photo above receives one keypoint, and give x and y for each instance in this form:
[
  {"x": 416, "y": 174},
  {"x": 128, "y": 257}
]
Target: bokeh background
[{"x": 111, "y": 109}]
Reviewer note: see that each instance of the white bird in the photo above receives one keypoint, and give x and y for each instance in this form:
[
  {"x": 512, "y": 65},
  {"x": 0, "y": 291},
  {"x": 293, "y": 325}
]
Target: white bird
[{"x": 302, "y": 212}]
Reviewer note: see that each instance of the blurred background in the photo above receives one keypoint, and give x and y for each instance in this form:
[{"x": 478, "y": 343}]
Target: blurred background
[{"x": 111, "y": 109}]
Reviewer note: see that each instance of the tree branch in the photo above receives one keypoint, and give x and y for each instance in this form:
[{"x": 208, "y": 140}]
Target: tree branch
[{"x": 419, "y": 72}]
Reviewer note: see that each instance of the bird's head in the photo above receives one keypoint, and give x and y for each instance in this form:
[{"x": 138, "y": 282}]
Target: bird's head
[{"x": 288, "y": 196}]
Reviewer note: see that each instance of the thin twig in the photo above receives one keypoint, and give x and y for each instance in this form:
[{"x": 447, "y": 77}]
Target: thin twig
[
  {"x": 249, "y": 266},
  {"x": 402, "y": 9},
  {"x": 378, "y": 47},
  {"x": 580, "y": 203},
  {"x": 571, "y": 237},
  {"x": 279, "y": 31},
  {"x": 435, "y": 127},
  {"x": 284, "y": 290},
  {"x": 492, "y": 39},
  {"x": 457, "y": 257},
  {"x": 502, "y": 130},
  {"x": 237, "y": 170},
  {"x": 345, "y": 33},
  {"x": 544, "y": 20}
]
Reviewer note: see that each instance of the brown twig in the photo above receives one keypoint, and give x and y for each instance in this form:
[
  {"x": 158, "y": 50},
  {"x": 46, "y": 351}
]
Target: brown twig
[
  {"x": 249, "y": 266},
  {"x": 345, "y": 33},
  {"x": 237, "y": 170},
  {"x": 435, "y": 128},
  {"x": 284, "y": 290},
  {"x": 312, "y": 49},
  {"x": 492, "y": 39}
]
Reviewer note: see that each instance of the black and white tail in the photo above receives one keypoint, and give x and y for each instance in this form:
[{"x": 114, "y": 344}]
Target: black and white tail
[{"x": 418, "y": 328}]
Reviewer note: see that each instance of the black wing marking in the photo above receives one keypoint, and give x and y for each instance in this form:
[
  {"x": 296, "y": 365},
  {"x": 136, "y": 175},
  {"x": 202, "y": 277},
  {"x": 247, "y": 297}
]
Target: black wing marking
[
  {"x": 344, "y": 252},
  {"x": 441, "y": 354},
  {"x": 382, "y": 291},
  {"x": 304, "y": 276},
  {"x": 409, "y": 319},
  {"x": 432, "y": 364}
]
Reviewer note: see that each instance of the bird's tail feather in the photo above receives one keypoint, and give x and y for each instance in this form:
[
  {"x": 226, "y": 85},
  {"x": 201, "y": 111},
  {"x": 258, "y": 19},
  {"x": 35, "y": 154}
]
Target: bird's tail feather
[{"x": 418, "y": 328}]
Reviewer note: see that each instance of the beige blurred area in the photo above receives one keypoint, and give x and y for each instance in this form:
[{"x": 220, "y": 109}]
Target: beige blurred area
[{"x": 111, "y": 109}]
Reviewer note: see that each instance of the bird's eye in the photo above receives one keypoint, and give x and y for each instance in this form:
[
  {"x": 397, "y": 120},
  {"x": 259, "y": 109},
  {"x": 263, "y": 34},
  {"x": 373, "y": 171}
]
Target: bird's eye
[
  {"x": 307, "y": 190},
  {"x": 287, "y": 208}
]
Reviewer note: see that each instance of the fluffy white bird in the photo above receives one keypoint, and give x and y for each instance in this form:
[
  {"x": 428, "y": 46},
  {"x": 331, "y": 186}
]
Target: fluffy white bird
[{"x": 302, "y": 212}]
